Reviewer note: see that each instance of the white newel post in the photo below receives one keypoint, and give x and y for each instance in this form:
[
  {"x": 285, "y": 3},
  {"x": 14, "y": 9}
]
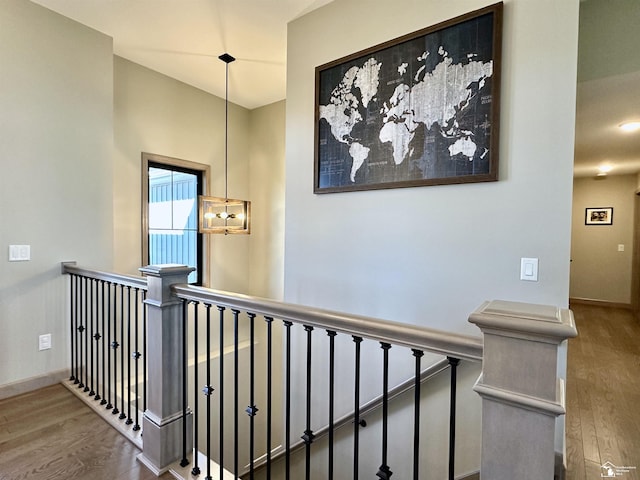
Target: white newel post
[
  {"x": 520, "y": 389},
  {"x": 162, "y": 421}
]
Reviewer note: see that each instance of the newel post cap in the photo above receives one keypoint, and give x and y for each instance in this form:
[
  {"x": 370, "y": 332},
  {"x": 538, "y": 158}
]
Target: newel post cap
[
  {"x": 166, "y": 270},
  {"x": 160, "y": 280},
  {"x": 506, "y": 318}
]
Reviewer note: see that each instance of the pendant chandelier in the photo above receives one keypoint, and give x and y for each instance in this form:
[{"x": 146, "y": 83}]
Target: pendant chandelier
[{"x": 223, "y": 214}]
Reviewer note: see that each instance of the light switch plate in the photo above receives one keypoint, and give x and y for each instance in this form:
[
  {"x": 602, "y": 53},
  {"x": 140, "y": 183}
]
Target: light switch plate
[
  {"x": 529, "y": 269},
  {"x": 19, "y": 253},
  {"x": 44, "y": 342}
]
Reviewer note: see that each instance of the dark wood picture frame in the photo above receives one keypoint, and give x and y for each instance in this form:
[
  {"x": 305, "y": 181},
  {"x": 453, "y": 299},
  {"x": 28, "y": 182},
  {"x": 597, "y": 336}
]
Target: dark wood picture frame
[
  {"x": 598, "y": 216},
  {"x": 422, "y": 109}
]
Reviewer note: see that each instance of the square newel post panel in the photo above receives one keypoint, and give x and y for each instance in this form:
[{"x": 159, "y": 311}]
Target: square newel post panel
[
  {"x": 162, "y": 421},
  {"x": 520, "y": 389}
]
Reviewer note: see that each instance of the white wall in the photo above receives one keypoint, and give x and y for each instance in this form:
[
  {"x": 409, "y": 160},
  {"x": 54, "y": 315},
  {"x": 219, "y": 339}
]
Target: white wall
[
  {"x": 56, "y": 120},
  {"x": 598, "y": 270}
]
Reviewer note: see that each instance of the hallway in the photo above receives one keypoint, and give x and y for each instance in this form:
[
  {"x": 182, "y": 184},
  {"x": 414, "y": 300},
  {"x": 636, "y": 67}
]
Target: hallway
[{"x": 603, "y": 394}]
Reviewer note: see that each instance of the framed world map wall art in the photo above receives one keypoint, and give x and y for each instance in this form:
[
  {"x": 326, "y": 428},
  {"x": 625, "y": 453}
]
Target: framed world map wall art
[{"x": 422, "y": 109}]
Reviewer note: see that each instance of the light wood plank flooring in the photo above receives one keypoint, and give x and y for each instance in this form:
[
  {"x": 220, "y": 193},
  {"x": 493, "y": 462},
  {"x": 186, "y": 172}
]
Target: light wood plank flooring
[
  {"x": 49, "y": 434},
  {"x": 603, "y": 394}
]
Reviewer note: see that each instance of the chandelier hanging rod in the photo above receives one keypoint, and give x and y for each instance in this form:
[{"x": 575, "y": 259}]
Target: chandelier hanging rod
[
  {"x": 227, "y": 59},
  {"x": 224, "y": 215}
]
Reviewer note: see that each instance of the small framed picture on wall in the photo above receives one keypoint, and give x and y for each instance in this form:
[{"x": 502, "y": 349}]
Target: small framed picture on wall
[{"x": 598, "y": 216}]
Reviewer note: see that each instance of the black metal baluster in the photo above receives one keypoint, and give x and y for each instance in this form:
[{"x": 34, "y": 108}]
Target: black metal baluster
[
  {"x": 103, "y": 345},
  {"x": 86, "y": 336},
  {"x": 416, "y": 416},
  {"x": 87, "y": 326},
  {"x": 384, "y": 473},
  {"x": 97, "y": 336},
  {"x": 208, "y": 390},
  {"x": 108, "y": 331},
  {"x": 185, "y": 314},
  {"x": 92, "y": 320},
  {"x": 235, "y": 390},
  {"x": 122, "y": 415},
  {"x": 308, "y": 433},
  {"x": 287, "y": 395},
  {"x": 269, "y": 321},
  {"x": 136, "y": 357},
  {"x": 129, "y": 419},
  {"x": 453, "y": 362},
  {"x": 144, "y": 351},
  {"x": 78, "y": 381},
  {"x": 356, "y": 410},
  {"x": 75, "y": 332},
  {"x": 115, "y": 345},
  {"x": 221, "y": 388},
  {"x": 95, "y": 383},
  {"x": 80, "y": 329},
  {"x": 196, "y": 469},
  {"x": 332, "y": 337},
  {"x": 251, "y": 410},
  {"x": 72, "y": 322}
]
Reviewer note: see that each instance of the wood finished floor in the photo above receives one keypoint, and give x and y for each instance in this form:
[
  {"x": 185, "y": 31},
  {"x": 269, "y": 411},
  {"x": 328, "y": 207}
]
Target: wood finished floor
[
  {"x": 51, "y": 435},
  {"x": 603, "y": 393}
]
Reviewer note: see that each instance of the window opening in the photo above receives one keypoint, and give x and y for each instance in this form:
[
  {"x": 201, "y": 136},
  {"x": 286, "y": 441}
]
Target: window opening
[{"x": 171, "y": 201}]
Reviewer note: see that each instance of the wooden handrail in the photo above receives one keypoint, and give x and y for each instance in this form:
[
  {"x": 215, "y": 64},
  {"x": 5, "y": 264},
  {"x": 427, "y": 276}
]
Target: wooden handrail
[
  {"x": 117, "y": 278},
  {"x": 426, "y": 339},
  {"x": 412, "y": 336}
]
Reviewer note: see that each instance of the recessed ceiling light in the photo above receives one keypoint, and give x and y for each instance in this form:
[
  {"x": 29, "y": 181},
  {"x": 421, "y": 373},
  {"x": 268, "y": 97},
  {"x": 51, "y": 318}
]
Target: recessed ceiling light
[
  {"x": 604, "y": 169},
  {"x": 630, "y": 126}
]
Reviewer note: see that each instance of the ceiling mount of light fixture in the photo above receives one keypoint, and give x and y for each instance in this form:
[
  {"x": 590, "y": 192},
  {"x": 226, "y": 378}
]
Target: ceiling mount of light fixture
[{"x": 223, "y": 214}]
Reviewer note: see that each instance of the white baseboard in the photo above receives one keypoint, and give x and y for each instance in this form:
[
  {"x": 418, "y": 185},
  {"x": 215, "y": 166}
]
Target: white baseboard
[{"x": 34, "y": 383}]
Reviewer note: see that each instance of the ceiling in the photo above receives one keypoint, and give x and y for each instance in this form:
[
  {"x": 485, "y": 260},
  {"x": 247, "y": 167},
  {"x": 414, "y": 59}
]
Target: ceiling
[
  {"x": 602, "y": 105},
  {"x": 183, "y": 39},
  {"x": 608, "y": 91}
]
